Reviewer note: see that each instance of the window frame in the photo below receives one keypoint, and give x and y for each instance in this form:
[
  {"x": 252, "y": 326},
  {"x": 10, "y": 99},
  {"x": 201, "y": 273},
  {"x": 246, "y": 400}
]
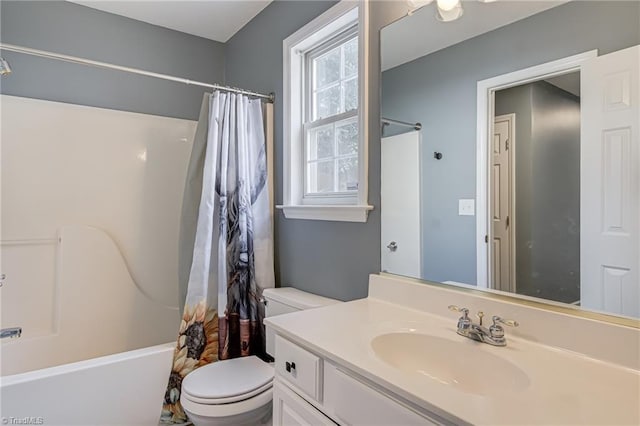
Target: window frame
[
  {"x": 328, "y": 30},
  {"x": 309, "y": 124}
]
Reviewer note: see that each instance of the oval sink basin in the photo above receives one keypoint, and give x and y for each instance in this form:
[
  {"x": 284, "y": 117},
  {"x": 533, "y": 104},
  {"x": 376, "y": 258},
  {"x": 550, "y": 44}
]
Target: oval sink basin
[{"x": 463, "y": 366}]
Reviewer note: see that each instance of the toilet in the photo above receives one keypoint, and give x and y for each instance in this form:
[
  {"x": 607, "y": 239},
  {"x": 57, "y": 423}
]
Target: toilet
[{"x": 239, "y": 391}]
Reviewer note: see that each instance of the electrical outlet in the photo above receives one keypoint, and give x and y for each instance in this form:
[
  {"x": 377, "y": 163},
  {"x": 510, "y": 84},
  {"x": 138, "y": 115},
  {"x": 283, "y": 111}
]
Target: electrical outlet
[{"x": 467, "y": 207}]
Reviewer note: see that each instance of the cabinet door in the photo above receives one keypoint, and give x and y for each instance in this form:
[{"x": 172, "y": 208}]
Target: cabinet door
[
  {"x": 353, "y": 403},
  {"x": 291, "y": 410}
]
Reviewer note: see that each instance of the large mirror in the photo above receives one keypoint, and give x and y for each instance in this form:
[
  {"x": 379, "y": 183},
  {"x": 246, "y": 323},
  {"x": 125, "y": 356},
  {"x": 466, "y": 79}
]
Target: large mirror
[{"x": 510, "y": 149}]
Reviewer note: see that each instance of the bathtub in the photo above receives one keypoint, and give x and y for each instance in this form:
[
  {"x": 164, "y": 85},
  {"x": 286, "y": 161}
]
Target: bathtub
[{"x": 122, "y": 389}]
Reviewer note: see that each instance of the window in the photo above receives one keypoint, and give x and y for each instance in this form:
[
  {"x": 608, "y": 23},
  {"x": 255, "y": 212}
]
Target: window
[
  {"x": 331, "y": 125},
  {"x": 325, "y": 148}
]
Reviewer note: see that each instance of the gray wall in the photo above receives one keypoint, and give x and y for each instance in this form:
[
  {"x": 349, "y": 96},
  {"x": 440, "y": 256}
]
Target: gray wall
[
  {"x": 439, "y": 90},
  {"x": 71, "y": 29},
  {"x": 328, "y": 258},
  {"x": 547, "y": 216},
  {"x": 518, "y": 100}
]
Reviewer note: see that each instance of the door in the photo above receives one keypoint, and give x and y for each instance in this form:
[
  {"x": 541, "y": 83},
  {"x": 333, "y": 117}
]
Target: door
[
  {"x": 401, "y": 205},
  {"x": 502, "y": 163},
  {"x": 291, "y": 410},
  {"x": 610, "y": 183}
]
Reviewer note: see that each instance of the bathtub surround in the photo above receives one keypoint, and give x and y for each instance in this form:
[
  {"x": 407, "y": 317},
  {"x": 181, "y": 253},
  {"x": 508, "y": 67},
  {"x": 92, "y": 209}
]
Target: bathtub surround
[
  {"x": 84, "y": 192},
  {"x": 232, "y": 246}
]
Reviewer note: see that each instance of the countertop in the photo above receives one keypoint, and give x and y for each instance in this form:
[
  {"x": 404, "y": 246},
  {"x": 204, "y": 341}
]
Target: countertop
[{"x": 564, "y": 388}]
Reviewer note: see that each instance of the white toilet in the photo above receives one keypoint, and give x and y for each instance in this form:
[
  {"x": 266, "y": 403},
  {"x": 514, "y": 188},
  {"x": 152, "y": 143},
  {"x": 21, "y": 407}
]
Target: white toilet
[{"x": 239, "y": 391}]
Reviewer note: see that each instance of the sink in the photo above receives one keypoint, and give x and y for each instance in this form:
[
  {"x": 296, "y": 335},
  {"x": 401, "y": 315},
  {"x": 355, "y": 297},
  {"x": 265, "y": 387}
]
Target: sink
[{"x": 463, "y": 365}]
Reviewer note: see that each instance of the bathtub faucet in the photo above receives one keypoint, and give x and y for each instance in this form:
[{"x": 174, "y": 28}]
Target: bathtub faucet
[{"x": 10, "y": 332}]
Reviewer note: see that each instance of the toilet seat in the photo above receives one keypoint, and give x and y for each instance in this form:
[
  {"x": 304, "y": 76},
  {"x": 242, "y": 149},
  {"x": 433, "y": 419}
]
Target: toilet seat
[
  {"x": 228, "y": 381},
  {"x": 216, "y": 411}
]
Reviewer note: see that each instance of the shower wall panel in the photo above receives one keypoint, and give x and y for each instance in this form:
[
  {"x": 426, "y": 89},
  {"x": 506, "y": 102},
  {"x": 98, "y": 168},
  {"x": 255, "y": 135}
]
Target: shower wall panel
[{"x": 121, "y": 173}]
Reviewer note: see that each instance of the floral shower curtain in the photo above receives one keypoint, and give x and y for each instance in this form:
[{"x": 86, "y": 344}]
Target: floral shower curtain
[{"x": 229, "y": 232}]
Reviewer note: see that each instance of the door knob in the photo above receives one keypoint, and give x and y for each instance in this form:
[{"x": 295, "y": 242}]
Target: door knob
[{"x": 393, "y": 246}]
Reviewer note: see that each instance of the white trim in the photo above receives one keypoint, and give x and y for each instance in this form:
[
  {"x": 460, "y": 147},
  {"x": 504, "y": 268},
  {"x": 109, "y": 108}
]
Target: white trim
[
  {"x": 485, "y": 109},
  {"x": 344, "y": 213},
  {"x": 339, "y": 16},
  {"x": 511, "y": 118}
]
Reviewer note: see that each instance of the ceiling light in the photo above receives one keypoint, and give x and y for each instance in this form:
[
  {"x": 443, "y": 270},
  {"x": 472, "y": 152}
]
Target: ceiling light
[
  {"x": 449, "y": 10},
  {"x": 417, "y": 4},
  {"x": 447, "y": 5}
]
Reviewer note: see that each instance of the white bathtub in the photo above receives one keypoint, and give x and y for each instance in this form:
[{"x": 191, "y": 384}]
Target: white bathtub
[{"x": 121, "y": 389}]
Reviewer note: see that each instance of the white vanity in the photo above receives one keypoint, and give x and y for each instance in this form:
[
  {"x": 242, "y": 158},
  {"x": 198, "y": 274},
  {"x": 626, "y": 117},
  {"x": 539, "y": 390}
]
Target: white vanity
[{"x": 395, "y": 358}]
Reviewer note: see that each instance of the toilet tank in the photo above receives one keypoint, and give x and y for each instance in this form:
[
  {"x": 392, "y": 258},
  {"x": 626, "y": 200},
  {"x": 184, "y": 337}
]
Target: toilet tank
[{"x": 284, "y": 300}]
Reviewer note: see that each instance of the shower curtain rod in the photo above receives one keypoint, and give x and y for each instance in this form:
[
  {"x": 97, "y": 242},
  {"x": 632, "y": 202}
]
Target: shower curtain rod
[
  {"x": 76, "y": 60},
  {"x": 387, "y": 121}
]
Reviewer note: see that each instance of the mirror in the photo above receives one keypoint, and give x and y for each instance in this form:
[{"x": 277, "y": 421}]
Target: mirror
[{"x": 510, "y": 150}]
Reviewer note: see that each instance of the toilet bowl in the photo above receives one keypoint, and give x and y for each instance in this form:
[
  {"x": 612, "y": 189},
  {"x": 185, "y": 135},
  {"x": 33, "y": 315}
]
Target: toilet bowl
[
  {"x": 239, "y": 391},
  {"x": 230, "y": 392}
]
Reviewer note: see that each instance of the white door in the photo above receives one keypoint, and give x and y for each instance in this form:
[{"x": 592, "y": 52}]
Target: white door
[
  {"x": 610, "y": 183},
  {"x": 501, "y": 203},
  {"x": 401, "y": 200},
  {"x": 291, "y": 410}
]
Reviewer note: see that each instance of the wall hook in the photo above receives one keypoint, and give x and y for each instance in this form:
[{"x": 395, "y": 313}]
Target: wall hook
[{"x": 437, "y": 155}]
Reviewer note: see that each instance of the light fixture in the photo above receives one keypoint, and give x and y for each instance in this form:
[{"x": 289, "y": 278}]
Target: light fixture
[
  {"x": 5, "y": 69},
  {"x": 417, "y": 4},
  {"x": 448, "y": 10}
]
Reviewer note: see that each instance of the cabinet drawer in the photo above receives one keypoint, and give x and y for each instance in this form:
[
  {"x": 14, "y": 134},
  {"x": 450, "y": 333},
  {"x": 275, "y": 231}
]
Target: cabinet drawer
[
  {"x": 351, "y": 402},
  {"x": 299, "y": 367}
]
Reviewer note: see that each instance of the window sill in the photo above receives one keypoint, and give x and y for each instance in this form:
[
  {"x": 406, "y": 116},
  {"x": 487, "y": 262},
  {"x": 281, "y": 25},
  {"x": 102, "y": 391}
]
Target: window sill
[{"x": 329, "y": 212}]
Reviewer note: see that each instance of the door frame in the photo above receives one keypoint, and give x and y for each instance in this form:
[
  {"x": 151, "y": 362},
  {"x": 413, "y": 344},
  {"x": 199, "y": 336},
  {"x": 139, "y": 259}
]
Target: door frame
[
  {"x": 485, "y": 117},
  {"x": 511, "y": 118}
]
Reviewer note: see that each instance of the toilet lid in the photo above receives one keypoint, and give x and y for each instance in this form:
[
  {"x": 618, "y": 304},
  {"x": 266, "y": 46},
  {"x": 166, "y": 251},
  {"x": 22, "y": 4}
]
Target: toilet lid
[{"x": 229, "y": 380}]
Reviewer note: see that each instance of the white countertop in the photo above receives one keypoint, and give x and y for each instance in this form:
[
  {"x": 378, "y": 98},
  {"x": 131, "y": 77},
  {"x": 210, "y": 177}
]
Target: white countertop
[{"x": 565, "y": 388}]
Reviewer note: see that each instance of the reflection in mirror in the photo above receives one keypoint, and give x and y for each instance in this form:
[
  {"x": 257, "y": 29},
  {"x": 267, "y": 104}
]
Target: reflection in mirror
[
  {"x": 535, "y": 181},
  {"x": 525, "y": 175}
]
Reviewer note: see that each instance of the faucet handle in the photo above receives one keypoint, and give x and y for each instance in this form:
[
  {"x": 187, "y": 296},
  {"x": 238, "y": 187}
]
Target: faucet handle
[
  {"x": 511, "y": 323},
  {"x": 496, "y": 331},
  {"x": 464, "y": 322},
  {"x": 464, "y": 311}
]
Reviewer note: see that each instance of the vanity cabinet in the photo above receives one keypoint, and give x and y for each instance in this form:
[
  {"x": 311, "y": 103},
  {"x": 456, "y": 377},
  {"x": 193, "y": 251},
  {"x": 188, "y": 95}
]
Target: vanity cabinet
[{"x": 310, "y": 390}]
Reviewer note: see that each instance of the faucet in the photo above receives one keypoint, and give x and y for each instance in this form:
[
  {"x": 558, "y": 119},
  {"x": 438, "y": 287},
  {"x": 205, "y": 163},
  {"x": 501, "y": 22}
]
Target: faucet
[
  {"x": 494, "y": 335},
  {"x": 10, "y": 332}
]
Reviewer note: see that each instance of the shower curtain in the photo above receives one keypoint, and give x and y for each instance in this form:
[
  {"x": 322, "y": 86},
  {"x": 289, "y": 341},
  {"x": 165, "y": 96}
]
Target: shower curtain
[{"x": 226, "y": 242}]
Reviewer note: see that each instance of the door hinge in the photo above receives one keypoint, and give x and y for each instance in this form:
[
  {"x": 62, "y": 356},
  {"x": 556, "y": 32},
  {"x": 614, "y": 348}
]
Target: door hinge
[
  {"x": 506, "y": 145},
  {"x": 507, "y": 221},
  {"x": 486, "y": 239}
]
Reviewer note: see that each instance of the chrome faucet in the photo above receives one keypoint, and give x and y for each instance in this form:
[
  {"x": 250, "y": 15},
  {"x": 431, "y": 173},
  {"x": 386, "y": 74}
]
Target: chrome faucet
[
  {"x": 10, "y": 332},
  {"x": 494, "y": 335}
]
